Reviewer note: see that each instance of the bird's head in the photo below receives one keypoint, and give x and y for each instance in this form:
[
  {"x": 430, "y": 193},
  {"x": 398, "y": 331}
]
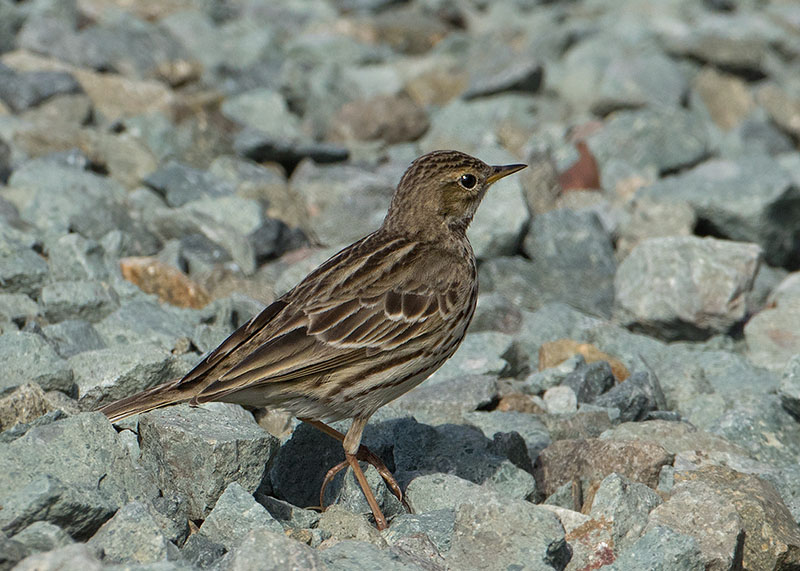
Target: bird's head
[{"x": 443, "y": 188}]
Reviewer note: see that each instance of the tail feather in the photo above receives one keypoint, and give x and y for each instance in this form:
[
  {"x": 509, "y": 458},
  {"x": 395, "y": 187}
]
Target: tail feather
[{"x": 150, "y": 399}]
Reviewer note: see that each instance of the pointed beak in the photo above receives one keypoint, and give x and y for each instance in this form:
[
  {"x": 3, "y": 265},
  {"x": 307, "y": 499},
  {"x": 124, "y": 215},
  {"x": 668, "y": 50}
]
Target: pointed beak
[{"x": 501, "y": 171}]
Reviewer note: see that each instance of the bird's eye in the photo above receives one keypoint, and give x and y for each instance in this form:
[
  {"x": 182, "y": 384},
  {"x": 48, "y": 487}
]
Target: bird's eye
[{"x": 468, "y": 181}]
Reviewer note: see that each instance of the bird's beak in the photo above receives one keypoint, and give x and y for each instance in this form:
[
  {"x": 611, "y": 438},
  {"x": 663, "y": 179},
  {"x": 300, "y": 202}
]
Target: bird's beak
[{"x": 500, "y": 171}]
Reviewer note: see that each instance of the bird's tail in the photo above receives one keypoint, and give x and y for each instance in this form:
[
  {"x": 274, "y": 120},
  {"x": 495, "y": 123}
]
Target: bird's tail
[{"x": 149, "y": 399}]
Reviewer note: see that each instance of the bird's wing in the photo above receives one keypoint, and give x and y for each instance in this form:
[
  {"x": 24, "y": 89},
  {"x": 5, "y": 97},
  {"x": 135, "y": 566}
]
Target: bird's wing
[{"x": 362, "y": 302}]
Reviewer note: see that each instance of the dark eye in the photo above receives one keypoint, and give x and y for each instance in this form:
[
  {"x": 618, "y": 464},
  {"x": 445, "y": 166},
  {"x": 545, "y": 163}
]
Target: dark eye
[{"x": 468, "y": 181}]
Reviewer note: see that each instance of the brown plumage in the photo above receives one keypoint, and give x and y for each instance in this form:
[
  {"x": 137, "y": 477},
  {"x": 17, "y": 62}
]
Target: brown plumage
[{"x": 366, "y": 326}]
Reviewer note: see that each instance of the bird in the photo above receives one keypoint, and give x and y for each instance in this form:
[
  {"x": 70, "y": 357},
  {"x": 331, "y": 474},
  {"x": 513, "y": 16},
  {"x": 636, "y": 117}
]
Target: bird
[{"x": 366, "y": 326}]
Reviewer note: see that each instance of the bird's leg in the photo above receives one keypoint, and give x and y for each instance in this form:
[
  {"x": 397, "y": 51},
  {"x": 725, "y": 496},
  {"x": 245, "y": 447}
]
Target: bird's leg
[
  {"x": 364, "y": 454},
  {"x": 351, "y": 444}
]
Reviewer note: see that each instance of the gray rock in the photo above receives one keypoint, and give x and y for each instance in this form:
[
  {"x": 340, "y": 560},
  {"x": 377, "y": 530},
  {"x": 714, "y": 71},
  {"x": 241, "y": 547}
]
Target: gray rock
[
  {"x": 21, "y": 91},
  {"x": 196, "y": 453},
  {"x": 106, "y": 375},
  {"x": 461, "y": 451},
  {"x": 771, "y": 336},
  {"x": 73, "y": 473},
  {"x": 661, "y": 549},
  {"x": 590, "y": 380},
  {"x": 88, "y": 300},
  {"x": 73, "y": 336},
  {"x": 66, "y": 199},
  {"x": 17, "y": 307},
  {"x": 571, "y": 250},
  {"x": 528, "y": 426},
  {"x": 346, "y": 493},
  {"x": 288, "y": 515},
  {"x": 178, "y": 184},
  {"x": 758, "y": 505},
  {"x": 73, "y": 257},
  {"x": 747, "y": 199},
  {"x": 261, "y": 147},
  {"x": 22, "y": 271},
  {"x": 560, "y": 400},
  {"x": 263, "y": 549},
  {"x": 685, "y": 287},
  {"x": 354, "y": 555},
  {"x": 235, "y": 514},
  {"x": 433, "y": 493},
  {"x": 132, "y": 535},
  {"x": 435, "y": 403},
  {"x": 340, "y": 524},
  {"x": 496, "y": 313},
  {"x": 273, "y": 238},
  {"x": 790, "y": 387},
  {"x": 43, "y": 536},
  {"x": 664, "y": 139},
  {"x": 638, "y": 395},
  {"x": 146, "y": 321},
  {"x": 76, "y": 556},
  {"x": 514, "y": 75},
  {"x": 479, "y": 354},
  {"x": 436, "y": 525},
  {"x": 763, "y": 427},
  {"x": 626, "y": 505},
  {"x": 28, "y": 357},
  {"x": 522, "y": 535},
  {"x": 11, "y": 551}
]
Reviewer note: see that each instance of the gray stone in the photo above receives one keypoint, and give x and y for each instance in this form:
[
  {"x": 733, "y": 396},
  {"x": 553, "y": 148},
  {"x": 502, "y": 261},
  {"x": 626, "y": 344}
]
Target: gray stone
[
  {"x": 107, "y": 375},
  {"x": 178, "y": 184},
  {"x": 653, "y": 218},
  {"x": 75, "y": 556},
  {"x": 235, "y": 514},
  {"x": 340, "y": 524},
  {"x": 661, "y": 549},
  {"x": 11, "y": 551},
  {"x": 479, "y": 354},
  {"x": 66, "y": 199},
  {"x": 355, "y": 555},
  {"x": 790, "y": 387},
  {"x": 265, "y": 550},
  {"x": 261, "y": 147},
  {"x": 436, "y": 525},
  {"x": 638, "y": 395},
  {"x": 73, "y": 257},
  {"x": 749, "y": 199},
  {"x": 461, "y": 451},
  {"x": 17, "y": 307},
  {"x": 196, "y": 453},
  {"x": 590, "y": 380},
  {"x": 762, "y": 426},
  {"x": 685, "y": 287},
  {"x": 626, "y": 505},
  {"x": 88, "y": 300},
  {"x": 760, "y": 511},
  {"x": 514, "y": 75},
  {"x": 43, "y": 536},
  {"x": 73, "y": 473},
  {"x": 22, "y": 271},
  {"x": 21, "y": 91},
  {"x": 73, "y": 336},
  {"x": 346, "y": 493},
  {"x": 516, "y": 533},
  {"x": 435, "y": 403},
  {"x": 288, "y": 515},
  {"x": 666, "y": 140},
  {"x": 28, "y": 357},
  {"x": 496, "y": 313},
  {"x": 132, "y": 535},
  {"x": 772, "y": 336},
  {"x": 146, "y": 321},
  {"x": 573, "y": 259},
  {"x": 560, "y": 400},
  {"x": 440, "y": 491},
  {"x": 528, "y": 426}
]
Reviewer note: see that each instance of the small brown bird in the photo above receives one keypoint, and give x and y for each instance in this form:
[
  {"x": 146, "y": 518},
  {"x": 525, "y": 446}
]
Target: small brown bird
[{"x": 365, "y": 327}]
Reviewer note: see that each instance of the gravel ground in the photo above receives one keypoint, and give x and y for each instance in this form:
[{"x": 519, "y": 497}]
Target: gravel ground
[{"x": 628, "y": 395}]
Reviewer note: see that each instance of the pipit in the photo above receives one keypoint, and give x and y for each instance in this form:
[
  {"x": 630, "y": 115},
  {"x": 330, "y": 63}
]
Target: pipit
[{"x": 365, "y": 327}]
